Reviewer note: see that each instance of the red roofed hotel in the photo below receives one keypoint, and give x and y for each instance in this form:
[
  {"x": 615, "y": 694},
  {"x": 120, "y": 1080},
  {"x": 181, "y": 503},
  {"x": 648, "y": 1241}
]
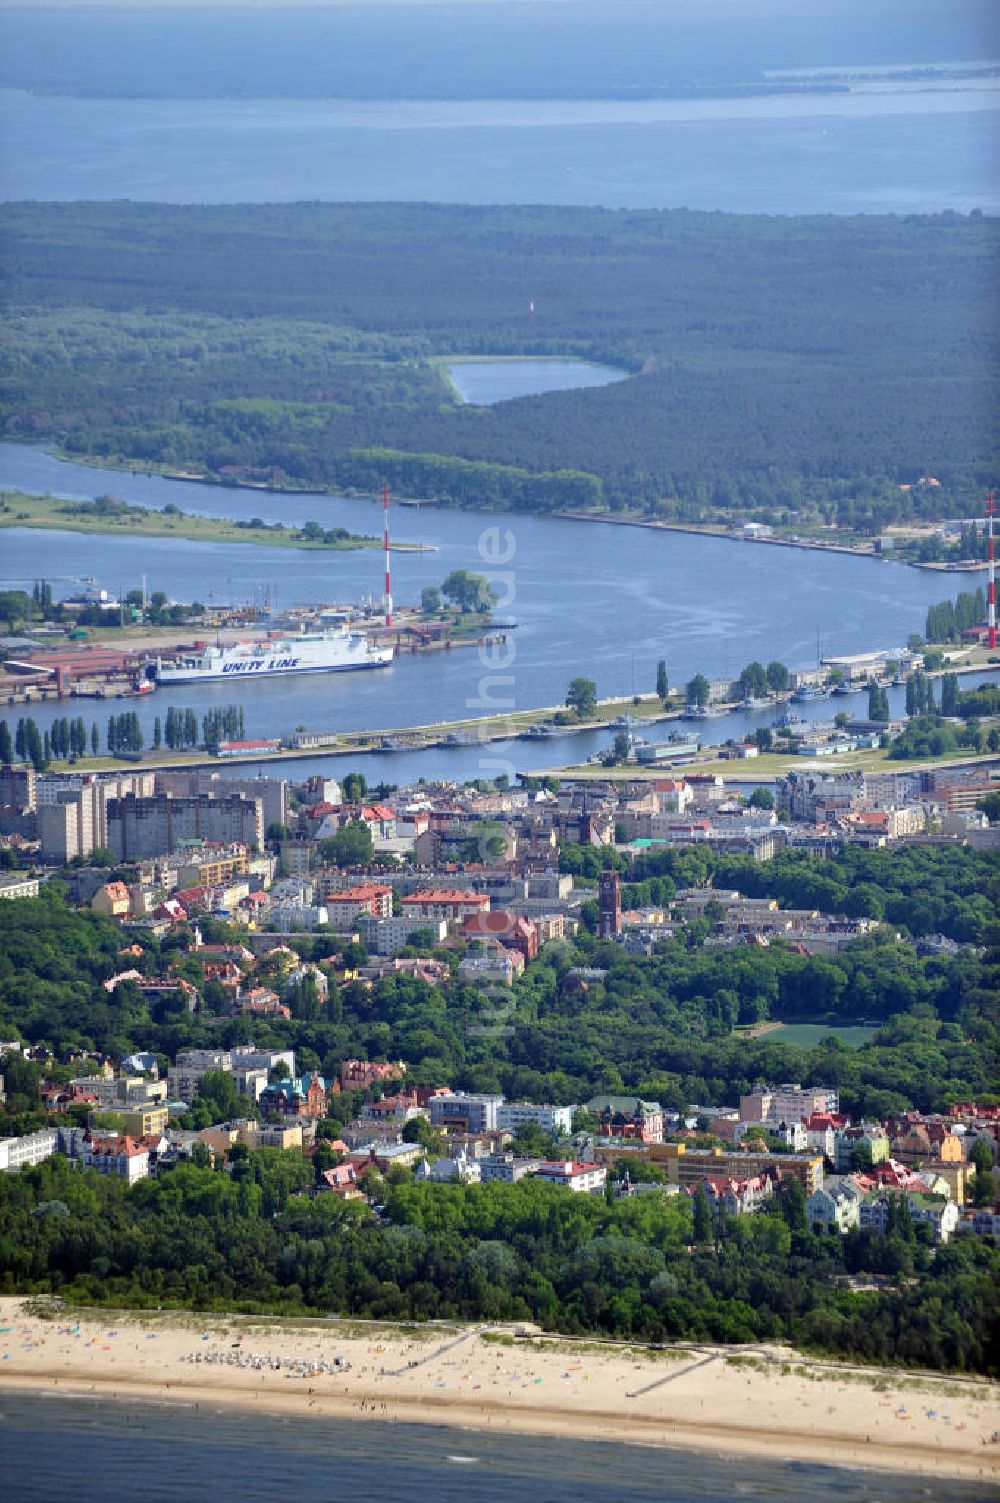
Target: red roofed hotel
[
  {"x": 451, "y": 903},
  {"x": 368, "y": 899}
]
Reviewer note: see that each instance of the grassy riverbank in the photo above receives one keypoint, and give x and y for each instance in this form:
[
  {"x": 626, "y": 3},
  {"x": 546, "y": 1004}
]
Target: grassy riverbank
[
  {"x": 769, "y": 766},
  {"x": 118, "y": 519}
]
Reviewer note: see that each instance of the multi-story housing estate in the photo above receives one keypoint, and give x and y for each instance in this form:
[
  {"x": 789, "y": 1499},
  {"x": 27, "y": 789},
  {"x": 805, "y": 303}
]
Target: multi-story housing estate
[
  {"x": 146, "y": 1121},
  {"x": 72, "y": 813},
  {"x": 687, "y": 1166},
  {"x": 190, "y": 1065},
  {"x": 248, "y": 1066},
  {"x": 121, "y": 1092},
  {"x": 18, "y": 787},
  {"x": 139, "y": 826},
  {"x": 273, "y": 793}
]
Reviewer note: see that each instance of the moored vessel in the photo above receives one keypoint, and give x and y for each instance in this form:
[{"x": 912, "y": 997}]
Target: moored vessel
[{"x": 336, "y": 651}]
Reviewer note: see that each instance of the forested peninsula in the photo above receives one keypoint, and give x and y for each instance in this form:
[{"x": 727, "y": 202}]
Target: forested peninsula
[{"x": 811, "y": 365}]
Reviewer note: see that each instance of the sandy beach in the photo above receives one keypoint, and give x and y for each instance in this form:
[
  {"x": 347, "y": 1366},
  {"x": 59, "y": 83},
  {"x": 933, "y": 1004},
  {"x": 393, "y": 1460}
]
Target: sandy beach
[{"x": 769, "y": 1403}]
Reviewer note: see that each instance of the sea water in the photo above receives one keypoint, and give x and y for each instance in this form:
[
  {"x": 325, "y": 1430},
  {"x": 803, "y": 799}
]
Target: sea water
[{"x": 95, "y": 1451}]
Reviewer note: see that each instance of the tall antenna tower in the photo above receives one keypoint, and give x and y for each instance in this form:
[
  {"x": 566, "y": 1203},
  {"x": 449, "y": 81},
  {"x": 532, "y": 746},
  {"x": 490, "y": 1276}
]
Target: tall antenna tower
[
  {"x": 388, "y": 572},
  {"x": 991, "y": 588}
]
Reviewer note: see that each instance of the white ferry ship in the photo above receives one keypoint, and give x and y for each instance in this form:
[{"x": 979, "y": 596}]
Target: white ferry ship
[{"x": 321, "y": 652}]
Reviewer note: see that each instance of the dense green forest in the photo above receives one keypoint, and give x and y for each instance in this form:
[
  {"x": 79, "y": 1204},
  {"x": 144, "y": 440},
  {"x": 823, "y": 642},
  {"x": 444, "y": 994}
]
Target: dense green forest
[
  {"x": 250, "y": 1240},
  {"x": 922, "y": 889},
  {"x": 811, "y": 364}
]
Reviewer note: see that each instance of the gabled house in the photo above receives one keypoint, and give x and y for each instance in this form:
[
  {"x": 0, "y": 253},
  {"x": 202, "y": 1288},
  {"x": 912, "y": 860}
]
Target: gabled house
[
  {"x": 835, "y": 1206},
  {"x": 302, "y": 1097}
]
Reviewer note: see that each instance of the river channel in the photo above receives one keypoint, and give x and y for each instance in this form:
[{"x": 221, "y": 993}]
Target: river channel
[{"x": 588, "y": 598}]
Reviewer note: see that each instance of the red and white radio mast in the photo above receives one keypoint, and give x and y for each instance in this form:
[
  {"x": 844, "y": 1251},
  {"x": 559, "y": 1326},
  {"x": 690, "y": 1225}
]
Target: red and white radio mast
[
  {"x": 991, "y": 587},
  {"x": 388, "y": 572}
]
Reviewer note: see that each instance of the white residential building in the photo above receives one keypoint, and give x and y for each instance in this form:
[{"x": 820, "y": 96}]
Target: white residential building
[
  {"x": 552, "y": 1119},
  {"x": 822, "y": 1140},
  {"x": 461, "y": 1170},
  {"x": 588, "y": 1179},
  {"x": 384, "y": 936},
  {"x": 287, "y": 918},
  {"x": 506, "y": 1168},
  {"x": 249, "y": 1057},
  {"x": 124, "y": 1156},
  {"x": 20, "y": 1153},
  {"x": 794, "y": 1136}
]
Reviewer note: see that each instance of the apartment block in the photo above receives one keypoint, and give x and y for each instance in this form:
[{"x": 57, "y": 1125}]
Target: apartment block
[
  {"x": 787, "y": 1103},
  {"x": 384, "y": 936},
  {"x": 139, "y": 827},
  {"x": 687, "y": 1167},
  {"x": 191, "y": 1064},
  {"x": 370, "y": 900},
  {"x": 458, "y": 1112},
  {"x": 511, "y": 1115},
  {"x": 146, "y": 1121},
  {"x": 20, "y": 1153},
  {"x": 195, "y": 782},
  {"x": 18, "y": 788}
]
